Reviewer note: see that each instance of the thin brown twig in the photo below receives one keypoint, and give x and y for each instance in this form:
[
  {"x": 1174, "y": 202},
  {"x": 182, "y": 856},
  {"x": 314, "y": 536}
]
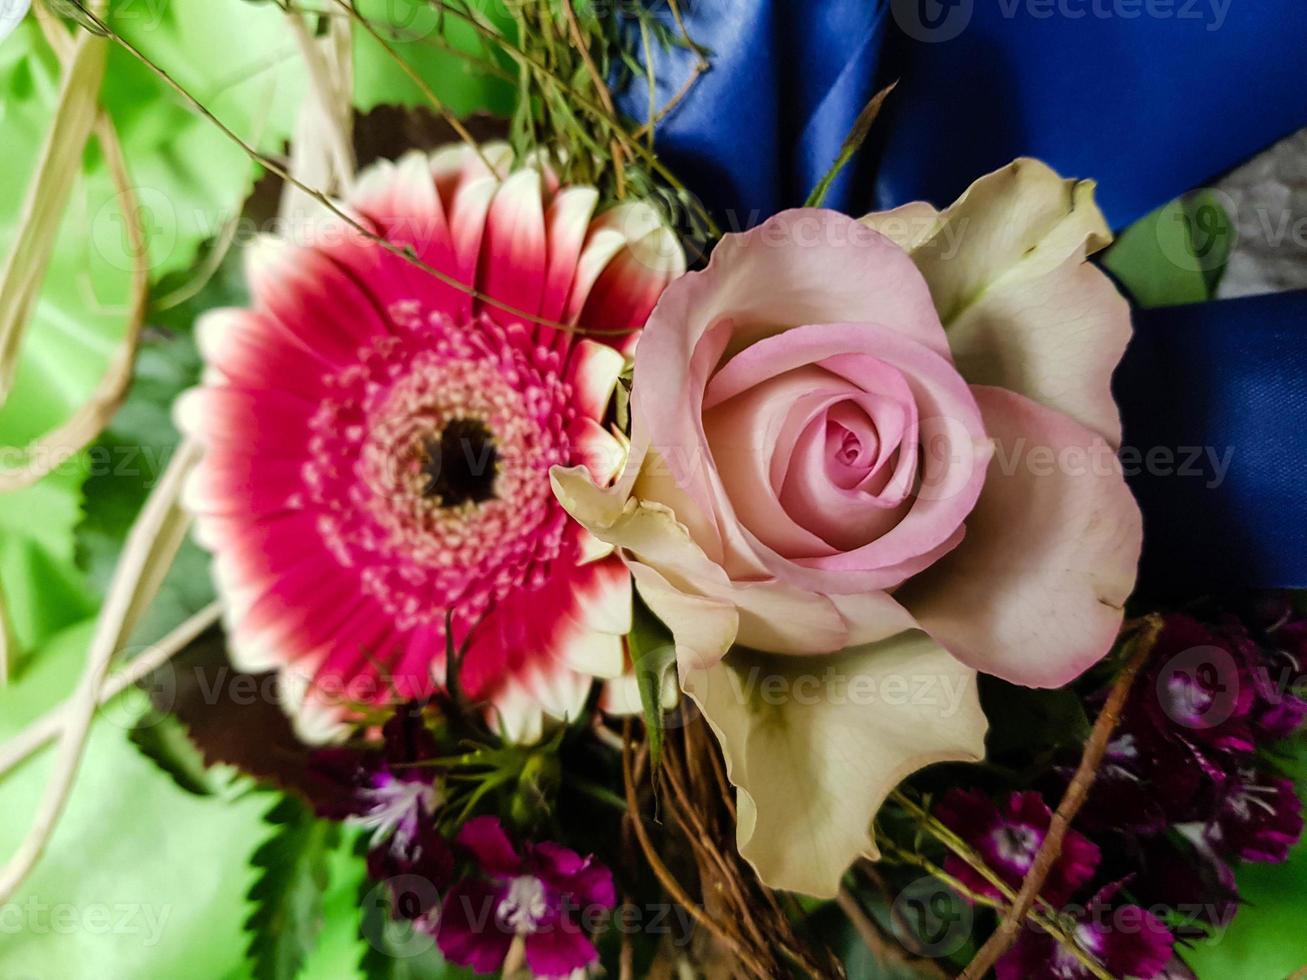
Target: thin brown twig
[
  {"x": 601, "y": 90},
  {"x": 1078, "y": 790},
  {"x": 666, "y": 878},
  {"x": 1045, "y": 916},
  {"x": 428, "y": 93},
  {"x": 670, "y": 105},
  {"x": 407, "y": 254}
]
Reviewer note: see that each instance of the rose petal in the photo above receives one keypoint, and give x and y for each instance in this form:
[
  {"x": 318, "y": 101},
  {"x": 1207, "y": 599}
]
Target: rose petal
[
  {"x": 1019, "y": 222},
  {"x": 1055, "y": 338},
  {"x": 1034, "y": 594},
  {"x": 879, "y": 713}
]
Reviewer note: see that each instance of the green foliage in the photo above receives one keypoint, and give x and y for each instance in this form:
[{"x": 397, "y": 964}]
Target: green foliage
[
  {"x": 1176, "y": 254},
  {"x": 652, "y": 653},
  {"x": 162, "y": 739},
  {"x": 445, "y": 51},
  {"x": 1024, "y": 719},
  {"x": 293, "y": 873},
  {"x": 150, "y": 879},
  {"x": 130, "y": 456},
  {"x": 396, "y": 950}
]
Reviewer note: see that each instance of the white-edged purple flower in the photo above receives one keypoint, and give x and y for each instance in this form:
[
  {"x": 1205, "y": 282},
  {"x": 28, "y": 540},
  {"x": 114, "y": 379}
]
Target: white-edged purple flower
[
  {"x": 1128, "y": 940},
  {"x": 1008, "y": 839},
  {"x": 543, "y": 895},
  {"x": 1260, "y": 818}
]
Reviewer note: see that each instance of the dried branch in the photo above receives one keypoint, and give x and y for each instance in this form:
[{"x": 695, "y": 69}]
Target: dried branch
[
  {"x": 56, "y": 171},
  {"x": 151, "y": 546},
  {"x": 667, "y": 879},
  {"x": 334, "y": 117},
  {"x": 1006, "y": 933}
]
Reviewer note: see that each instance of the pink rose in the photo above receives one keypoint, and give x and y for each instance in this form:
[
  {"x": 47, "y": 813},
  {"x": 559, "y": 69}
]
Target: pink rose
[{"x": 896, "y": 432}]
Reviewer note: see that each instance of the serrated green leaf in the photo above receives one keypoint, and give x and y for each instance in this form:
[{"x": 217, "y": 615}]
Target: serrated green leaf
[
  {"x": 293, "y": 874},
  {"x": 652, "y": 654},
  {"x": 162, "y": 739}
]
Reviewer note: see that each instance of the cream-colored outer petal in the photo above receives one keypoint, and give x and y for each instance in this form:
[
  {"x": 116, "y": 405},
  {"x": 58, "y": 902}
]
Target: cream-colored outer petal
[
  {"x": 1021, "y": 307},
  {"x": 815, "y": 744},
  {"x": 705, "y": 609}
]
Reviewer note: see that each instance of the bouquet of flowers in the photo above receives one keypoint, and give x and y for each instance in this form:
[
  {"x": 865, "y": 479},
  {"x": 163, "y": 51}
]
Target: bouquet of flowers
[{"x": 556, "y": 488}]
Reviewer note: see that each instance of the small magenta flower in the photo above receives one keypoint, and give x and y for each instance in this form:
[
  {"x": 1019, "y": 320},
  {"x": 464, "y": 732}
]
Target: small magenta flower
[
  {"x": 1128, "y": 940},
  {"x": 383, "y": 789},
  {"x": 1260, "y": 818},
  {"x": 1199, "y": 690},
  {"x": 545, "y": 895},
  {"x": 1008, "y": 840}
]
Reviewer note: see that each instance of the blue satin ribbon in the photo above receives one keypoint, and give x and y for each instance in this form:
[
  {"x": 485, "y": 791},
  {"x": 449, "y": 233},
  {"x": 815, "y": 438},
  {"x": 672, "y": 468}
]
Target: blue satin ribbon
[
  {"x": 1216, "y": 394},
  {"x": 1149, "y": 97}
]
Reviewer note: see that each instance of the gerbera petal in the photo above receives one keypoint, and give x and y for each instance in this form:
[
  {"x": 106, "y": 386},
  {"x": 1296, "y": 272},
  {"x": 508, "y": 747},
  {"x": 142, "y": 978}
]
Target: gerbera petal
[
  {"x": 625, "y": 292},
  {"x": 268, "y": 421},
  {"x": 312, "y": 298},
  {"x": 567, "y": 222},
  {"x": 514, "y": 257},
  {"x": 251, "y": 352},
  {"x": 401, "y": 201},
  {"x": 593, "y": 370},
  {"x": 603, "y": 596}
]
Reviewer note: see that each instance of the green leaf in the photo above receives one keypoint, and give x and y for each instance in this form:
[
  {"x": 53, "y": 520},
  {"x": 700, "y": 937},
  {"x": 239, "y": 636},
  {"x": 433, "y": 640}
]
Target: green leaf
[
  {"x": 1024, "y": 720},
  {"x": 652, "y": 653},
  {"x": 162, "y": 739},
  {"x": 1176, "y": 254},
  {"x": 423, "y": 35},
  {"x": 852, "y": 144},
  {"x": 154, "y": 878},
  {"x": 293, "y": 867}
]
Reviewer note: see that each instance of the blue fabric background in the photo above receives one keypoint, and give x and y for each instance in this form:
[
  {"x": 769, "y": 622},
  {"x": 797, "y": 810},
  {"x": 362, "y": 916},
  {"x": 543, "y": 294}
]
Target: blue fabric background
[{"x": 1149, "y": 97}]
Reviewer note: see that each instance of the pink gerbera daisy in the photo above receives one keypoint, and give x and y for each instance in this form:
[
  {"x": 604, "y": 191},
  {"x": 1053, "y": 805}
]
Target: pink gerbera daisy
[{"x": 378, "y": 443}]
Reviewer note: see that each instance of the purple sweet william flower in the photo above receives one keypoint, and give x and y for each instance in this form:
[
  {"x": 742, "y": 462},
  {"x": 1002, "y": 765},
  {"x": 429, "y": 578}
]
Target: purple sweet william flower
[
  {"x": 1129, "y": 941},
  {"x": 543, "y": 894},
  {"x": 1199, "y": 689},
  {"x": 385, "y": 789},
  {"x": 1008, "y": 840},
  {"x": 1260, "y": 817}
]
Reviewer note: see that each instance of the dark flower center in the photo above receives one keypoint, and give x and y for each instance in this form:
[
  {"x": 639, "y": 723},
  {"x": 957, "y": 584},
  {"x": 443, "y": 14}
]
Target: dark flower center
[{"x": 461, "y": 464}]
